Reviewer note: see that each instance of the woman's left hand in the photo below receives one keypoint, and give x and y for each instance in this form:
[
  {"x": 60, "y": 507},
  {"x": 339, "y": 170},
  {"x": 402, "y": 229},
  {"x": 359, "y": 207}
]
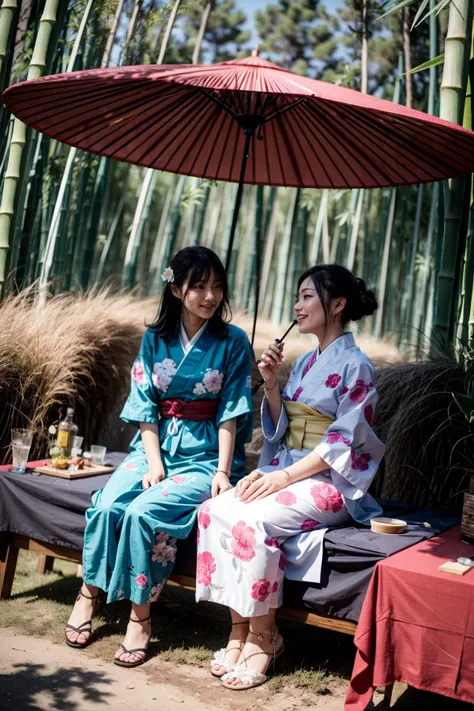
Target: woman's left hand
[
  {"x": 220, "y": 483},
  {"x": 265, "y": 485}
]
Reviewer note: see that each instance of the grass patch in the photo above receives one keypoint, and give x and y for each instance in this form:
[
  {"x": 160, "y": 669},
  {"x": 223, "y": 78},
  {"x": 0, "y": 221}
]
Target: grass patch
[
  {"x": 184, "y": 633},
  {"x": 316, "y": 681}
]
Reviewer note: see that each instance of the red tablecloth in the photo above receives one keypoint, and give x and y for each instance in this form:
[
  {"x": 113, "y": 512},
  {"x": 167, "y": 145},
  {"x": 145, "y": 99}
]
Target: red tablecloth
[{"x": 417, "y": 624}]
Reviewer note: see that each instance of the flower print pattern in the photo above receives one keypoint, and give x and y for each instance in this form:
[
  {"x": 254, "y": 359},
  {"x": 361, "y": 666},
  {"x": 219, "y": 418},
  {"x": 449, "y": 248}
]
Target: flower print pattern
[
  {"x": 369, "y": 414},
  {"x": 360, "y": 390},
  {"x": 360, "y": 462},
  {"x": 204, "y": 520},
  {"x": 131, "y": 466},
  {"x": 275, "y": 587},
  {"x": 206, "y": 566},
  {"x": 309, "y": 524},
  {"x": 138, "y": 372},
  {"x": 282, "y": 561},
  {"x": 243, "y": 541},
  {"x": 211, "y": 382},
  {"x": 163, "y": 373},
  {"x": 261, "y": 590},
  {"x": 345, "y": 391},
  {"x": 326, "y": 497},
  {"x": 333, "y": 380},
  {"x": 141, "y": 581},
  {"x": 286, "y": 498},
  {"x": 297, "y": 393},
  {"x": 164, "y": 550},
  {"x": 334, "y": 437},
  {"x": 179, "y": 479},
  {"x": 275, "y": 462},
  {"x": 155, "y": 592}
]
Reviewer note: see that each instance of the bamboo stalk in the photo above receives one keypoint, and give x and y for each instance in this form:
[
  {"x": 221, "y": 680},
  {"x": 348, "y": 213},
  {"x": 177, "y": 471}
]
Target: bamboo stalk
[
  {"x": 13, "y": 173},
  {"x": 282, "y": 275},
  {"x": 8, "y": 12},
  {"x": 453, "y": 90},
  {"x": 112, "y": 34},
  {"x": 65, "y": 179}
]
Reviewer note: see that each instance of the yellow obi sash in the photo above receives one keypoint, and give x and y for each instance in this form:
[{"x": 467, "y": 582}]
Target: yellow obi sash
[{"x": 306, "y": 427}]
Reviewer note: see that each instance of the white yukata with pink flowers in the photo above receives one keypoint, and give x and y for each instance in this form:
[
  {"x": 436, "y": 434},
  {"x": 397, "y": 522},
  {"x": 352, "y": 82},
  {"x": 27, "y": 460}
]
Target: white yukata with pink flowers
[{"x": 246, "y": 550}]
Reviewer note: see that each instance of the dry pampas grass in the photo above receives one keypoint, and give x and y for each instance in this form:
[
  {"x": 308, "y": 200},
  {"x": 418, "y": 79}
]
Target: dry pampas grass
[
  {"x": 430, "y": 447},
  {"x": 69, "y": 350},
  {"x": 77, "y": 350}
]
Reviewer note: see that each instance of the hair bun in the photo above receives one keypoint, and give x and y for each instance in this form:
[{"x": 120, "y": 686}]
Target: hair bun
[{"x": 369, "y": 302}]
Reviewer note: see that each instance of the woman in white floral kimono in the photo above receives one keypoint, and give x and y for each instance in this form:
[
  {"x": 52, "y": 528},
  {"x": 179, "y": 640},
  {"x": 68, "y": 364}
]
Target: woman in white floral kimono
[{"x": 319, "y": 458}]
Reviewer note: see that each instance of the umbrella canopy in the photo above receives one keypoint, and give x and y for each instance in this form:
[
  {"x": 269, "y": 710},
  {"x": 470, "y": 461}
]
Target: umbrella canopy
[{"x": 188, "y": 119}]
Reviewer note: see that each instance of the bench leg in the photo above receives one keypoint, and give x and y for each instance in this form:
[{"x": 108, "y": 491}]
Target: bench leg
[
  {"x": 45, "y": 564},
  {"x": 8, "y": 559}
]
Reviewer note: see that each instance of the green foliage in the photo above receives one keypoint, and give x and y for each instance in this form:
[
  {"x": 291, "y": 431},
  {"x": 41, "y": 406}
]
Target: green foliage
[
  {"x": 224, "y": 36},
  {"x": 299, "y": 35}
]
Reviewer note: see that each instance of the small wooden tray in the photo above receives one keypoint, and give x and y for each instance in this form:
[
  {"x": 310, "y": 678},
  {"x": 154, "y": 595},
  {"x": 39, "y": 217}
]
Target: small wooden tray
[{"x": 93, "y": 470}]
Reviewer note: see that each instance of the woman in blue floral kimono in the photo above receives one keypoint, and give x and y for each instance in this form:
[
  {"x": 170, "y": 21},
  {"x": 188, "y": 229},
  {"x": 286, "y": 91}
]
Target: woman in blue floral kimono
[
  {"x": 319, "y": 458},
  {"x": 191, "y": 402}
]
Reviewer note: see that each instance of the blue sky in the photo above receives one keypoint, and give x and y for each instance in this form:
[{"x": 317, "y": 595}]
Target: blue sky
[{"x": 250, "y": 6}]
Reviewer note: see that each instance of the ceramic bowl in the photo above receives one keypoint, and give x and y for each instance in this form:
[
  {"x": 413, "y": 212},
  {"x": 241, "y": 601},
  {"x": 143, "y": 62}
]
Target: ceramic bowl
[{"x": 387, "y": 525}]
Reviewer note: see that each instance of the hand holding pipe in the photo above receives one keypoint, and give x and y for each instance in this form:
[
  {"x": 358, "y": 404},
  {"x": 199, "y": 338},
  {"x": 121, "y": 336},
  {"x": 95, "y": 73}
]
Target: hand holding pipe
[{"x": 277, "y": 340}]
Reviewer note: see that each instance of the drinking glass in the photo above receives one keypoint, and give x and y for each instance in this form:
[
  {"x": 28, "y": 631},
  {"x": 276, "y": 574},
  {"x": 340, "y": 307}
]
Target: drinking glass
[
  {"x": 98, "y": 454},
  {"x": 76, "y": 446},
  {"x": 21, "y": 445}
]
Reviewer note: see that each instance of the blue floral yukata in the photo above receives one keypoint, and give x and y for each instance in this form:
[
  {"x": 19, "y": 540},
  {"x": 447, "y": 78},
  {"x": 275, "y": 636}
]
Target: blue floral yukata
[{"x": 131, "y": 533}]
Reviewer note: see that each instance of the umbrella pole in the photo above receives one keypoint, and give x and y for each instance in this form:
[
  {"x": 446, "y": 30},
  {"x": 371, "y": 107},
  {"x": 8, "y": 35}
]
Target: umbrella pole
[{"x": 238, "y": 198}]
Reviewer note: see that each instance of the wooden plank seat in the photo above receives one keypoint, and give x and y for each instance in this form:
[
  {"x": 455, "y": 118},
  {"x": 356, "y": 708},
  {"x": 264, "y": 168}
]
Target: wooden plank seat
[{"x": 11, "y": 544}]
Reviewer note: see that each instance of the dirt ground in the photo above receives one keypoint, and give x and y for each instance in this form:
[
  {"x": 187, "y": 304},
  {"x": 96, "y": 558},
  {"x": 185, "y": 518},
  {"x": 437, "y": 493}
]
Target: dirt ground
[{"x": 38, "y": 674}]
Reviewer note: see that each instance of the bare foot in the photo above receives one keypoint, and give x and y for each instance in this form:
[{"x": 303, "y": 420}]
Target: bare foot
[
  {"x": 137, "y": 636},
  {"x": 258, "y": 654},
  {"x": 237, "y": 637},
  {"x": 82, "y": 611}
]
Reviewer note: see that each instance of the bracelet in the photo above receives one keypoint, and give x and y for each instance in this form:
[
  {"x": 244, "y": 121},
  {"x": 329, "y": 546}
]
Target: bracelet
[
  {"x": 288, "y": 475},
  {"x": 222, "y": 471},
  {"x": 268, "y": 389}
]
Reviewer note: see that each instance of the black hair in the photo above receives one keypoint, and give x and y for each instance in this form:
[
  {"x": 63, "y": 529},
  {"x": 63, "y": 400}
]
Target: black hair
[
  {"x": 332, "y": 281},
  {"x": 194, "y": 265}
]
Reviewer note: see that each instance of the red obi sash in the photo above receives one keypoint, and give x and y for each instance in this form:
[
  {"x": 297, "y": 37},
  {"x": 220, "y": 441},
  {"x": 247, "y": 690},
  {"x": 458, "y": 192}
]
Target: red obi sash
[{"x": 195, "y": 410}]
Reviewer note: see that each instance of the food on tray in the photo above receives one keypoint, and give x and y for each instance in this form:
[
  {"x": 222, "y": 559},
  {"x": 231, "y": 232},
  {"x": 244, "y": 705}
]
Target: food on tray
[
  {"x": 74, "y": 464},
  {"x": 60, "y": 462}
]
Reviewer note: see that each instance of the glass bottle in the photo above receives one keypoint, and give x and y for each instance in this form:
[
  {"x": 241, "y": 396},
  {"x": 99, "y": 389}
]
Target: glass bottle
[{"x": 67, "y": 430}]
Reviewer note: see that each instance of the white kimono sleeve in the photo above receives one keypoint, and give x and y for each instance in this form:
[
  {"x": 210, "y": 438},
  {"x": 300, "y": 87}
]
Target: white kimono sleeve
[{"x": 350, "y": 446}]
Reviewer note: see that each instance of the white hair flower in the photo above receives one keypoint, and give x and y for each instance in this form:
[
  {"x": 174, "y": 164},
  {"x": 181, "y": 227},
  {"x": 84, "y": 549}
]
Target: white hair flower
[{"x": 168, "y": 275}]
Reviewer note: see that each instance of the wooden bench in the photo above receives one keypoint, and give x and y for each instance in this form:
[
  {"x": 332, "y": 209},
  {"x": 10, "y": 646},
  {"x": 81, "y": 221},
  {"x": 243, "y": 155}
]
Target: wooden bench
[{"x": 11, "y": 544}]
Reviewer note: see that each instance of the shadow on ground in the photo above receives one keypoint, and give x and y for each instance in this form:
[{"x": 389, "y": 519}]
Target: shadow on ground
[{"x": 20, "y": 689}]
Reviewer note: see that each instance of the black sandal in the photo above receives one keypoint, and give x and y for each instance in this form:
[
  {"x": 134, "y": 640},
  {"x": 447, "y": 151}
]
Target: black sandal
[
  {"x": 84, "y": 627},
  {"x": 142, "y": 650}
]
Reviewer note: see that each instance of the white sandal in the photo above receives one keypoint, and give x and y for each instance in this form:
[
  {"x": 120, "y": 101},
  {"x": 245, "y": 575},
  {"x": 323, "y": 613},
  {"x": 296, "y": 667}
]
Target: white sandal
[
  {"x": 249, "y": 678},
  {"x": 219, "y": 656}
]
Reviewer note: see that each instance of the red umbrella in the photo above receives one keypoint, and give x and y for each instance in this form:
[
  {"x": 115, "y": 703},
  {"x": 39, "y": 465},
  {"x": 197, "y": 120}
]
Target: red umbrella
[{"x": 200, "y": 121}]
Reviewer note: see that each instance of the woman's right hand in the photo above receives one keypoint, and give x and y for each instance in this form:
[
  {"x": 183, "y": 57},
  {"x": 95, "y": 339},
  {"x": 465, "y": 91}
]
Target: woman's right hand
[
  {"x": 152, "y": 477},
  {"x": 270, "y": 362}
]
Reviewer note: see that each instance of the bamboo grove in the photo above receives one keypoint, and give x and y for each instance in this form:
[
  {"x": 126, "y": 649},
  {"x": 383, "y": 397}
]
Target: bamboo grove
[{"x": 69, "y": 220}]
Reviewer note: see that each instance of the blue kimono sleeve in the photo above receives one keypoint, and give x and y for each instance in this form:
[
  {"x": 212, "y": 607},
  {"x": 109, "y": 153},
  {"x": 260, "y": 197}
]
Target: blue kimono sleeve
[
  {"x": 142, "y": 403},
  {"x": 236, "y": 394}
]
